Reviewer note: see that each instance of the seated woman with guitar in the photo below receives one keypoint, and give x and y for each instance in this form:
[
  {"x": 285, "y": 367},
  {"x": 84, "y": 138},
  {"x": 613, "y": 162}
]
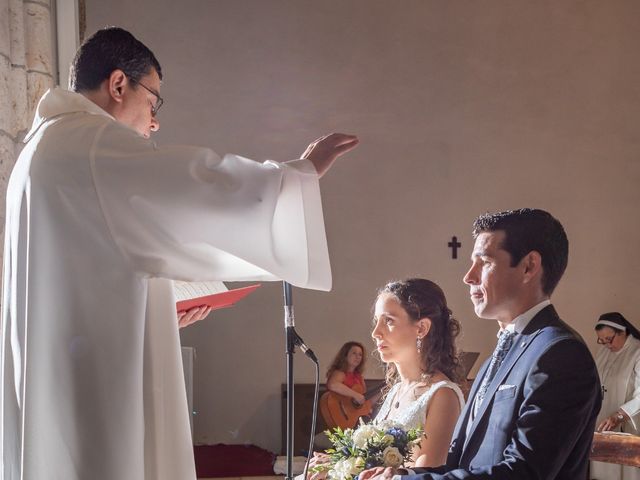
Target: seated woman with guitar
[
  {"x": 346, "y": 399},
  {"x": 344, "y": 376},
  {"x": 415, "y": 334}
]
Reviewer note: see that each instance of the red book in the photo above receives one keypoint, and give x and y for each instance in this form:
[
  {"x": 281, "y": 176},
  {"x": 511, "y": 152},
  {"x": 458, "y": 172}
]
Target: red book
[{"x": 217, "y": 300}]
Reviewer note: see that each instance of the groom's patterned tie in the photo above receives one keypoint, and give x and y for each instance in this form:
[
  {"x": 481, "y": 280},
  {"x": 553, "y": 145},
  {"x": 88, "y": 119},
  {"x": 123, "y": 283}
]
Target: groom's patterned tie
[{"x": 504, "y": 344}]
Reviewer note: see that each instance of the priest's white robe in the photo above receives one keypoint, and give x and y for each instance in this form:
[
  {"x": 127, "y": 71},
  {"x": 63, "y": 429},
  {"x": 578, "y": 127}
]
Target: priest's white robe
[{"x": 99, "y": 222}]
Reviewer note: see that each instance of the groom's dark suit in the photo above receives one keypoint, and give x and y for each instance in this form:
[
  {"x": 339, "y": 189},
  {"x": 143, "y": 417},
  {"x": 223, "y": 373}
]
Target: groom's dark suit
[{"x": 537, "y": 418}]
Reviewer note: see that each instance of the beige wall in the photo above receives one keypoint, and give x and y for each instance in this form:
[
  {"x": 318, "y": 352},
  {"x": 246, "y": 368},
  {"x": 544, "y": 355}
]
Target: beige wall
[{"x": 462, "y": 107}]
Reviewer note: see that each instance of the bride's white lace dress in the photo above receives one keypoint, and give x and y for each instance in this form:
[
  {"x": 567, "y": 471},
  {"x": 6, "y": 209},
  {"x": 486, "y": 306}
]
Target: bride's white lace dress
[{"x": 415, "y": 414}]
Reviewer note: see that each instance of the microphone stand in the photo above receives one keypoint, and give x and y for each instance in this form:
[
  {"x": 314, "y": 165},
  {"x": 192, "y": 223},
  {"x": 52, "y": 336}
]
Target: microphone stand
[{"x": 293, "y": 340}]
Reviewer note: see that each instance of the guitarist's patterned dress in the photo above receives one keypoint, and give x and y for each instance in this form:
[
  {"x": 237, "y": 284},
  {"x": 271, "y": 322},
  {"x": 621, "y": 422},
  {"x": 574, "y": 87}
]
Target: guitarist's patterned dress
[{"x": 415, "y": 415}]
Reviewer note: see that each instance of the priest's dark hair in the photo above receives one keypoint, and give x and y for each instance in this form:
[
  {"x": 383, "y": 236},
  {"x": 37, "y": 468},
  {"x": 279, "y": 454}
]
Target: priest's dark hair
[
  {"x": 105, "y": 51},
  {"x": 528, "y": 230},
  {"x": 618, "y": 319}
]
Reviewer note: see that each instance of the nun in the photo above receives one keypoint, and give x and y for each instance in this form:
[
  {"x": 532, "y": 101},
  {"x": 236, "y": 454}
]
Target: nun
[{"x": 618, "y": 362}]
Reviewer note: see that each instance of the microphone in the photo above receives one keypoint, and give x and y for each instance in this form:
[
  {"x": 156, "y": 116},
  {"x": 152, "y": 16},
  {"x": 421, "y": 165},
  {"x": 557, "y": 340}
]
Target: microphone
[{"x": 303, "y": 346}]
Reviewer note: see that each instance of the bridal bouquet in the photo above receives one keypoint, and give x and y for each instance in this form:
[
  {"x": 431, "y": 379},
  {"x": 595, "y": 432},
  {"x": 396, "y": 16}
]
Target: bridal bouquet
[{"x": 370, "y": 445}]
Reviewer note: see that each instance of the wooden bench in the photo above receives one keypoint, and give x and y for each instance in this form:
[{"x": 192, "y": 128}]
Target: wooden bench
[{"x": 616, "y": 448}]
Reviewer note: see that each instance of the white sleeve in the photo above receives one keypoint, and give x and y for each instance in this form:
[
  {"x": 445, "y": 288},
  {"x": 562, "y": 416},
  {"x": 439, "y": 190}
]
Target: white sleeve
[
  {"x": 184, "y": 213},
  {"x": 632, "y": 407}
]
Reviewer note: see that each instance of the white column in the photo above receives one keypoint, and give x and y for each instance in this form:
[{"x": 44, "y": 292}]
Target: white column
[
  {"x": 26, "y": 72},
  {"x": 68, "y": 38}
]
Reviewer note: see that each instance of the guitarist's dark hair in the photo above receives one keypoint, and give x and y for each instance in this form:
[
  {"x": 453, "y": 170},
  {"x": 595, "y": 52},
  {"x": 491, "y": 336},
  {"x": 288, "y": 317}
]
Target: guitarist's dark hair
[
  {"x": 340, "y": 361},
  {"x": 422, "y": 298}
]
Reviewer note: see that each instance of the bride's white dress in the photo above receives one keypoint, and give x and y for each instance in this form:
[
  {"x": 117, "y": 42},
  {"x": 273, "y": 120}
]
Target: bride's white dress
[{"x": 415, "y": 414}]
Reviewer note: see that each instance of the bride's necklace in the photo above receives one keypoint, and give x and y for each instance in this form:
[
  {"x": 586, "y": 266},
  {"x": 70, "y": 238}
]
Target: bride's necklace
[{"x": 410, "y": 387}]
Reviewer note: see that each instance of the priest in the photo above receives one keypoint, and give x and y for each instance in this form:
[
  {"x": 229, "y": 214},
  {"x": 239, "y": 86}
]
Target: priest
[{"x": 99, "y": 222}]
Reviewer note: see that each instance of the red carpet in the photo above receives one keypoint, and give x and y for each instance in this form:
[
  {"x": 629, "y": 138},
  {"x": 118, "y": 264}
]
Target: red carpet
[{"x": 232, "y": 461}]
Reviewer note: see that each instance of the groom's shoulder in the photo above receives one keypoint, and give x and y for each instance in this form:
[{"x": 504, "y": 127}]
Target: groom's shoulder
[
  {"x": 549, "y": 328},
  {"x": 553, "y": 337}
]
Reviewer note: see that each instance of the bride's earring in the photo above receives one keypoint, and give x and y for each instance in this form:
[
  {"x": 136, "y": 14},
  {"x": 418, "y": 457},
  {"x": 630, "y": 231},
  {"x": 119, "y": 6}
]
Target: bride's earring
[{"x": 419, "y": 344}]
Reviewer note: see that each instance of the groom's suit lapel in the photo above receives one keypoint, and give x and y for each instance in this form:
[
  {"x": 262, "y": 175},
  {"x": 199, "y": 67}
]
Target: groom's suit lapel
[{"x": 520, "y": 345}]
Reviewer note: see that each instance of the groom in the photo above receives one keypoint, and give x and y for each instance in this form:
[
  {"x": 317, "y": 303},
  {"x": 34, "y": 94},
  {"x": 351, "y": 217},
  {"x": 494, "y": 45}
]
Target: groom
[{"x": 532, "y": 408}]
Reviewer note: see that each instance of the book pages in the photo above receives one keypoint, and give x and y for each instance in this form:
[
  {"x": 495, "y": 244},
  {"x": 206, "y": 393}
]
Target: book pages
[{"x": 189, "y": 290}]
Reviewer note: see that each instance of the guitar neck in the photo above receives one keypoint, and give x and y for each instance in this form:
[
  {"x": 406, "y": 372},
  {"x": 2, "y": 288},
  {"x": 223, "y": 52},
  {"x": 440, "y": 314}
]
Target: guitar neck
[{"x": 373, "y": 392}]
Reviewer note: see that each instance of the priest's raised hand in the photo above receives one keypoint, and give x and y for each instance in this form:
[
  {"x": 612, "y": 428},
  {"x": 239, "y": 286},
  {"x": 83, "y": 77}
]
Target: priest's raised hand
[{"x": 325, "y": 150}]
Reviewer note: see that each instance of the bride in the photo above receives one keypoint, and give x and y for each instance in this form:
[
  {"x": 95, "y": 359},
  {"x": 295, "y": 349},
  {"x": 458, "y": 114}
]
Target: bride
[{"x": 415, "y": 334}]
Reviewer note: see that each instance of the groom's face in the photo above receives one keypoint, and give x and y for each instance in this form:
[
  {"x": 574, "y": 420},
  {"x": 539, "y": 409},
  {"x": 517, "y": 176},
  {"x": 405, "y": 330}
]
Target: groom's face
[{"x": 494, "y": 285}]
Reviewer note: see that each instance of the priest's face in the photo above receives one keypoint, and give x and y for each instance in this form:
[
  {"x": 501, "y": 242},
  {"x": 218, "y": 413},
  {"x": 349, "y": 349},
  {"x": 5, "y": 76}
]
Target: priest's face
[
  {"x": 494, "y": 285},
  {"x": 140, "y": 99}
]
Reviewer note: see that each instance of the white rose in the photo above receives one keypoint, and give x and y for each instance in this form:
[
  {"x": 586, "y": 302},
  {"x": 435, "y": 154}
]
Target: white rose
[
  {"x": 391, "y": 457},
  {"x": 346, "y": 469},
  {"x": 362, "y": 434},
  {"x": 355, "y": 465},
  {"x": 337, "y": 472}
]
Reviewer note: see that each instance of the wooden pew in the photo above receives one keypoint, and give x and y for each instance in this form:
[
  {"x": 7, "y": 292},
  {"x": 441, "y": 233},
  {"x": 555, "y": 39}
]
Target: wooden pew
[{"x": 616, "y": 448}]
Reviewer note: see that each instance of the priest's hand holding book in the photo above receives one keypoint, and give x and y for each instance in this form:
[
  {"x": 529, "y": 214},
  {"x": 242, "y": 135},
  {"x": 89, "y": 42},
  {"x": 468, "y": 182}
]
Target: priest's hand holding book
[
  {"x": 193, "y": 315},
  {"x": 196, "y": 300}
]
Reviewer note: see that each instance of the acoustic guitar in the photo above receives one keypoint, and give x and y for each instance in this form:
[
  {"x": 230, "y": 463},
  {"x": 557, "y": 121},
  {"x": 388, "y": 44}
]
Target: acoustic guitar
[{"x": 342, "y": 411}]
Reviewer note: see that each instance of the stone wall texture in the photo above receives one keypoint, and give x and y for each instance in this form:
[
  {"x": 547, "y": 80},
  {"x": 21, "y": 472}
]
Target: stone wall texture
[{"x": 26, "y": 72}]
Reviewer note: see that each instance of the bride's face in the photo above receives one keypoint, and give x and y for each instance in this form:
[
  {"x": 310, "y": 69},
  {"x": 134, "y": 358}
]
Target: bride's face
[{"x": 394, "y": 332}]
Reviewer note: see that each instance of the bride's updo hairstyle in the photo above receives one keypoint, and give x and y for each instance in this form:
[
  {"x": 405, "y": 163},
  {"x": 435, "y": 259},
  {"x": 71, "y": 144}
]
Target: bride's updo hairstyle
[{"x": 422, "y": 298}]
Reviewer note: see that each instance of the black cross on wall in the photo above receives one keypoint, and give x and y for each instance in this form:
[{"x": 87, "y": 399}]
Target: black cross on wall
[{"x": 454, "y": 244}]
